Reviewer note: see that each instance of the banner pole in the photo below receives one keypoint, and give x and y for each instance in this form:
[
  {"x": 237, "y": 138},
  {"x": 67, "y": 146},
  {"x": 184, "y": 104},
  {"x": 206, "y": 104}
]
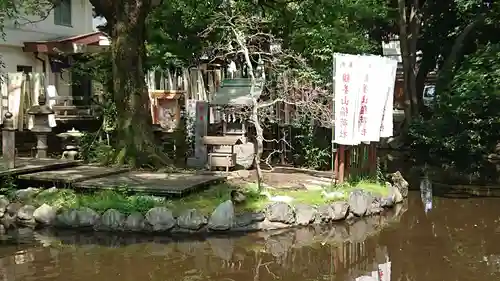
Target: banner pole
[{"x": 334, "y": 151}]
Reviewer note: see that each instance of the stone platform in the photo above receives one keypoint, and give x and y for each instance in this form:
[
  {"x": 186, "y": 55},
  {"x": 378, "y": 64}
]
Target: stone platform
[
  {"x": 73, "y": 175},
  {"x": 155, "y": 183},
  {"x": 25, "y": 165}
]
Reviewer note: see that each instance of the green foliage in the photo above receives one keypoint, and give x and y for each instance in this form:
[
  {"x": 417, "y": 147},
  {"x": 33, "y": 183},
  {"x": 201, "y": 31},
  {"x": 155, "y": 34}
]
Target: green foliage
[
  {"x": 8, "y": 186},
  {"x": 95, "y": 149},
  {"x": 465, "y": 126},
  {"x": 311, "y": 145},
  {"x": 174, "y": 32},
  {"x": 13, "y": 12},
  {"x": 99, "y": 201}
]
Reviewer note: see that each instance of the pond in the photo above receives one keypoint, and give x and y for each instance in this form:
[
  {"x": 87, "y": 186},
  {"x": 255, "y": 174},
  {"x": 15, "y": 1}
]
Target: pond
[{"x": 455, "y": 240}]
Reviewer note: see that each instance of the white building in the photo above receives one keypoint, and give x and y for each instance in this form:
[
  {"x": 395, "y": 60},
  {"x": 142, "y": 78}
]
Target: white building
[{"x": 46, "y": 46}]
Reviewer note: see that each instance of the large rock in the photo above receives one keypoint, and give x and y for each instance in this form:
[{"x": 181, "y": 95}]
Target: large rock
[
  {"x": 374, "y": 209},
  {"x": 305, "y": 214},
  {"x": 340, "y": 210},
  {"x": 67, "y": 218},
  {"x": 111, "y": 220},
  {"x": 248, "y": 218},
  {"x": 87, "y": 217},
  {"x": 12, "y": 208},
  {"x": 400, "y": 183},
  {"x": 4, "y": 202},
  {"x": 359, "y": 202},
  {"x": 27, "y": 193},
  {"x": 222, "y": 217},
  {"x": 191, "y": 219},
  {"x": 280, "y": 212},
  {"x": 160, "y": 219},
  {"x": 394, "y": 194},
  {"x": 135, "y": 222},
  {"x": 25, "y": 215},
  {"x": 245, "y": 154},
  {"x": 387, "y": 201},
  {"x": 8, "y": 220},
  {"x": 84, "y": 217},
  {"x": 45, "y": 214},
  {"x": 325, "y": 214}
]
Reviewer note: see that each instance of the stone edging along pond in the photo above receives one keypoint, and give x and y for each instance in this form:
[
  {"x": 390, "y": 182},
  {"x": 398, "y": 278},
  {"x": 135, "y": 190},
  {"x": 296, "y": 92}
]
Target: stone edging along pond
[{"x": 276, "y": 215}]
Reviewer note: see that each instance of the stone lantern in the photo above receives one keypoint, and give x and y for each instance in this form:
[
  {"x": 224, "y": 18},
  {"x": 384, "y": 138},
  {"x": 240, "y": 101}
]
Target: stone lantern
[
  {"x": 41, "y": 126},
  {"x": 9, "y": 142},
  {"x": 71, "y": 143}
]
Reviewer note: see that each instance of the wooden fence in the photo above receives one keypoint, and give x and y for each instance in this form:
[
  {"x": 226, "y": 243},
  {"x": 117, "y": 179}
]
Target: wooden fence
[{"x": 355, "y": 161}]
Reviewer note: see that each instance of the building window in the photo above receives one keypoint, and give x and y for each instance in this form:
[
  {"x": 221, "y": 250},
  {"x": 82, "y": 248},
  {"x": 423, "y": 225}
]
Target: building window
[
  {"x": 62, "y": 13},
  {"x": 25, "y": 69}
]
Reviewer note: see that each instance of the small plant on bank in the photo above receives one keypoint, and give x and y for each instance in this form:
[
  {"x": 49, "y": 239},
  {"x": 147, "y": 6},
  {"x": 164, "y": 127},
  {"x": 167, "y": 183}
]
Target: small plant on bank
[{"x": 8, "y": 186}]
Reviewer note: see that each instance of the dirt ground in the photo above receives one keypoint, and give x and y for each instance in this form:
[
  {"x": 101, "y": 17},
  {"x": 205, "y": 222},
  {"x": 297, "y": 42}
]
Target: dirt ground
[{"x": 285, "y": 178}]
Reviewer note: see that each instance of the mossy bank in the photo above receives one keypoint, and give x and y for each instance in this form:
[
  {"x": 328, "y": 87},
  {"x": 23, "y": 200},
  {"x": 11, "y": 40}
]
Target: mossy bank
[{"x": 208, "y": 211}]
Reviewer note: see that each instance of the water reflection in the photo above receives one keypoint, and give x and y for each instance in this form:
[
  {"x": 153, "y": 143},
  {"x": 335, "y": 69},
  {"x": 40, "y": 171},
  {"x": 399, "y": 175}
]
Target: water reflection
[
  {"x": 382, "y": 272},
  {"x": 338, "y": 252},
  {"x": 456, "y": 241},
  {"x": 426, "y": 193}
]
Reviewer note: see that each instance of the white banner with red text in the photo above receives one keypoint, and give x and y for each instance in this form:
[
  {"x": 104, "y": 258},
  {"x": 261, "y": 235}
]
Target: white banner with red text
[{"x": 364, "y": 87}]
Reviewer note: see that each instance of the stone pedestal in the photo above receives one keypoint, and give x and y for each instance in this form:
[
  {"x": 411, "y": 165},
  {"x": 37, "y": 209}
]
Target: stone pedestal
[
  {"x": 9, "y": 142},
  {"x": 71, "y": 144},
  {"x": 200, "y": 130},
  {"x": 41, "y": 126}
]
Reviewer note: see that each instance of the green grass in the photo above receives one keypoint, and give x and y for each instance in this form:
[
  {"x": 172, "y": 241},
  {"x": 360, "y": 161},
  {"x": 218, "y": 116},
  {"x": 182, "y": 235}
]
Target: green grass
[
  {"x": 98, "y": 201},
  {"x": 372, "y": 186},
  {"x": 205, "y": 201}
]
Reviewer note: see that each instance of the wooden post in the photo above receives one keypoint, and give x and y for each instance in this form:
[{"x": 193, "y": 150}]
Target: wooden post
[
  {"x": 347, "y": 166},
  {"x": 9, "y": 141},
  {"x": 341, "y": 161},
  {"x": 335, "y": 152},
  {"x": 360, "y": 157},
  {"x": 372, "y": 158}
]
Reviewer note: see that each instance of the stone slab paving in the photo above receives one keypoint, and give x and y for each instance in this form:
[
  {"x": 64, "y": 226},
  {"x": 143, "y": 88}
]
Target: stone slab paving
[
  {"x": 73, "y": 174},
  {"x": 154, "y": 183},
  {"x": 25, "y": 165}
]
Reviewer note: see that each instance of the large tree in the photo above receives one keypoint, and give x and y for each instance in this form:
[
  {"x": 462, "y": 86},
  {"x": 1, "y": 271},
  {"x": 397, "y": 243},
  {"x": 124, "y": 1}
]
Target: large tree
[
  {"x": 434, "y": 35},
  {"x": 126, "y": 20}
]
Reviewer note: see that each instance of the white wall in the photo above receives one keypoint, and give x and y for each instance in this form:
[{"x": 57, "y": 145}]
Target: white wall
[
  {"x": 14, "y": 56},
  {"x": 82, "y": 22}
]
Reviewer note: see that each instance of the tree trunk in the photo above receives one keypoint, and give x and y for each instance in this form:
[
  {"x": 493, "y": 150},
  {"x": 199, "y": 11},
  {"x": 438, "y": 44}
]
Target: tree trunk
[
  {"x": 427, "y": 64},
  {"x": 446, "y": 72},
  {"x": 259, "y": 146},
  {"x": 254, "y": 117},
  {"x": 135, "y": 145},
  {"x": 405, "y": 54}
]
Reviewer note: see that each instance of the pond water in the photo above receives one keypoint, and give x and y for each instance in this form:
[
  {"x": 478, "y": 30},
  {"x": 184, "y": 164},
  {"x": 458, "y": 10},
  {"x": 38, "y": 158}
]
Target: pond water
[{"x": 455, "y": 240}]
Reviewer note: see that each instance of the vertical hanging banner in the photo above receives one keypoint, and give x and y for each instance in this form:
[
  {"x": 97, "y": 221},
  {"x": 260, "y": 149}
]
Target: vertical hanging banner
[
  {"x": 364, "y": 87},
  {"x": 377, "y": 97},
  {"x": 387, "y": 126},
  {"x": 364, "y": 108},
  {"x": 346, "y": 96}
]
